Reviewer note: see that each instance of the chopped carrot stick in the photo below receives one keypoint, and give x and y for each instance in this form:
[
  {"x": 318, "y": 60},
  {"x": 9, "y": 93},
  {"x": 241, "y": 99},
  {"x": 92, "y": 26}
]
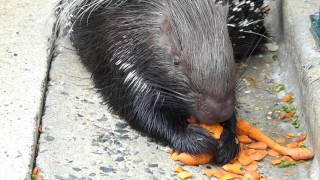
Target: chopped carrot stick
[
  {"x": 287, "y": 98},
  {"x": 258, "y": 155},
  {"x": 280, "y": 140},
  {"x": 301, "y": 138},
  {"x": 214, "y": 129},
  {"x": 244, "y": 159},
  {"x": 250, "y": 151},
  {"x": 178, "y": 169},
  {"x": 174, "y": 156},
  {"x": 287, "y": 158},
  {"x": 258, "y": 146},
  {"x": 276, "y": 161},
  {"x": 244, "y": 139},
  {"x": 198, "y": 159},
  {"x": 254, "y": 133},
  {"x": 234, "y": 168},
  {"x": 273, "y": 153},
  {"x": 184, "y": 175},
  {"x": 253, "y": 166},
  {"x": 252, "y": 175},
  {"x": 213, "y": 172},
  {"x": 293, "y": 145},
  {"x": 290, "y": 135},
  {"x": 230, "y": 176}
]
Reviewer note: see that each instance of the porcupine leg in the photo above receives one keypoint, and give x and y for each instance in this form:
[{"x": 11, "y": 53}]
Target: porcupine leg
[{"x": 229, "y": 144}]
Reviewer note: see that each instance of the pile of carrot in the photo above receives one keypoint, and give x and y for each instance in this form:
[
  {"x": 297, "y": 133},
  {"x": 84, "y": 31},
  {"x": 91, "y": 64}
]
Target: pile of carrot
[{"x": 254, "y": 147}]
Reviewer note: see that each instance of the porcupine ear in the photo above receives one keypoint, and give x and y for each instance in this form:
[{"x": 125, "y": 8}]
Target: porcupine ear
[{"x": 168, "y": 38}]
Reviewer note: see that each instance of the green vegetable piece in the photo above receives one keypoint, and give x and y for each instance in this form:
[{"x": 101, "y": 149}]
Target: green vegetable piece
[
  {"x": 280, "y": 87},
  {"x": 285, "y": 164}
]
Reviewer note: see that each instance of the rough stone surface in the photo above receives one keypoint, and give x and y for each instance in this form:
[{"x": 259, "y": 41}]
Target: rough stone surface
[{"x": 24, "y": 31}]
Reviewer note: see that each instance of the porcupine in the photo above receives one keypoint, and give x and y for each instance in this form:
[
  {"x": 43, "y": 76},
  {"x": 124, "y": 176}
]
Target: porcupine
[{"x": 157, "y": 62}]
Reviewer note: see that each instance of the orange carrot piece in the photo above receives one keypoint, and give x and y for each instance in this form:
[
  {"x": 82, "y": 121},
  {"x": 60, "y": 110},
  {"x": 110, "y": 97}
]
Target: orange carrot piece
[
  {"x": 301, "y": 138},
  {"x": 250, "y": 151},
  {"x": 178, "y": 168},
  {"x": 244, "y": 159},
  {"x": 290, "y": 135},
  {"x": 280, "y": 140},
  {"x": 198, "y": 159},
  {"x": 287, "y": 158},
  {"x": 286, "y": 116},
  {"x": 258, "y": 146},
  {"x": 287, "y": 98},
  {"x": 254, "y": 133},
  {"x": 276, "y": 161},
  {"x": 293, "y": 145},
  {"x": 273, "y": 153},
  {"x": 184, "y": 175},
  {"x": 258, "y": 155},
  {"x": 233, "y": 168},
  {"x": 214, "y": 129},
  {"x": 213, "y": 172},
  {"x": 230, "y": 176},
  {"x": 174, "y": 156},
  {"x": 253, "y": 166},
  {"x": 244, "y": 139},
  {"x": 192, "y": 120},
  {"x": 252, "y": 175}
]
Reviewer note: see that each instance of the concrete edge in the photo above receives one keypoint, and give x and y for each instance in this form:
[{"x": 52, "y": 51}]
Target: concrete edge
[{"x": 302, "y": 61}]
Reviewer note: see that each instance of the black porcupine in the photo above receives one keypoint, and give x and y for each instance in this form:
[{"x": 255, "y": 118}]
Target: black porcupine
[{"x": 156, "y": 62}]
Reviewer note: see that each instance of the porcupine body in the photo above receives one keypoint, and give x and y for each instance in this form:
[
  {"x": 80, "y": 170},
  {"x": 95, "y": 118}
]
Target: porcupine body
[{"x": 156, "y": 62}]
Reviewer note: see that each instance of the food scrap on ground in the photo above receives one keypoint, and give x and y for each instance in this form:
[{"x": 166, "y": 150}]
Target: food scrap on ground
[{"x": 254, "y": 147}]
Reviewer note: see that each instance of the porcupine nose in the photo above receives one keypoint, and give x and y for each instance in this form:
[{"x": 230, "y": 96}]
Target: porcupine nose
[{"x": 209, "y": 110}]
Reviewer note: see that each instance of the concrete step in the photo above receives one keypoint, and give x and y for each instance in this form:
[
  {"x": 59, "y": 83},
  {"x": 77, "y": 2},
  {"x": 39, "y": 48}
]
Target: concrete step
[{"x": 24, "y": 31}]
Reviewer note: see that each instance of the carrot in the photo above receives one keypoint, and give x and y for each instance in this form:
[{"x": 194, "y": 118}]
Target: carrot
[
  {"x": 243, "y": 158},
  {"x": 286, "y": 158},
  {"x": 253, "y": 166},
  {"x": 258, "y": 155},
  {"x": 213, "y": 172},
  {"x": 184, "y": 175},
  {"x": 286, "y": 116},
  {"x": 252, "y": 175},
  {"x": 290, "y": 135},
  {"x": 198, "y": 159},
  {"x": 250, "y": 151},
  {"x": 178, "y": 169},
  {"x": 233, "y": 168},
  {"x": 244, "y": 139},
  {"x": 293, "y": 145},
  {"x": 192, "y": 120},
  {"x": 214, "y": 129},
  {"x": 258, "y": 146},
  {"x": 276, "y": 161},
  {"x": 230, "y": 176},
  {"x": 280, "y": 140},
  {"x": 174, "y": 156},
  {"x": 287, "y": 98},
  {"x": 301, "y": 138},
  {"x": 254, "y": 133},
  {"x": 273, "y": 153}
]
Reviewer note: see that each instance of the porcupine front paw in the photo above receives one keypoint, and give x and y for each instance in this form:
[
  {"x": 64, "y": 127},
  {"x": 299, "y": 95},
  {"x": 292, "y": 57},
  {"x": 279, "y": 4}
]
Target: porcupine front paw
[{"x": 228, "y": 147}]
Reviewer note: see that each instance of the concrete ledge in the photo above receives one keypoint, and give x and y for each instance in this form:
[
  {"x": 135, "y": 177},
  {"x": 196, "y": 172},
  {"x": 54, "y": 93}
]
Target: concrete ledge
[
  {"x": 24, "y": 32},
  {"x": 302, "y": 60}
]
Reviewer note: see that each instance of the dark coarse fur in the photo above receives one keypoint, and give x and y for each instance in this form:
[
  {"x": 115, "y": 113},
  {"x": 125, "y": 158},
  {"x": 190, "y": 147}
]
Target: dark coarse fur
[{"x": 156, "y": 62}]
